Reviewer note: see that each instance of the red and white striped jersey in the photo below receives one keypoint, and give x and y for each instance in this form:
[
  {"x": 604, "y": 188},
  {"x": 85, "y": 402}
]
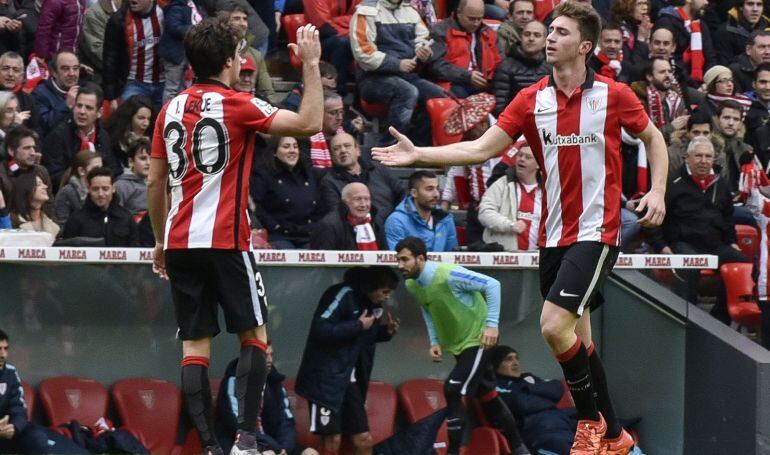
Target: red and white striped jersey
[
  {"x": 760, "y": 208},
  {"x": 205, "y": 133},
  {"x": 576, "y": 141},
  {"x": 143, "y": 39},
  {"x": 529, "y": 206}
]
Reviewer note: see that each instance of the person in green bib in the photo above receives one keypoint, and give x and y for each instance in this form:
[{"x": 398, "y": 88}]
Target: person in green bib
[{"x": 461, "y": 309}]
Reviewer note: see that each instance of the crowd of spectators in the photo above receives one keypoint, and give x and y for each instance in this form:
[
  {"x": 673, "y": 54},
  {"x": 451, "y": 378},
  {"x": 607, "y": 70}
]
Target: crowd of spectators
[{"x": 82, "y": 81}]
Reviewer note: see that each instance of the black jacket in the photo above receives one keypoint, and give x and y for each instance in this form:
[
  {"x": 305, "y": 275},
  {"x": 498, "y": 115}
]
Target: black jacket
[
  {"x": 62, "y": 143},
  {"x": 731, "y": 37},
  {"x": 702, "y": 219},
  {"x": 755, "y": 118},
  {"x": 116, "y": 226},
  {"x": 514, "y": 73},
  {"x": 27, "y": 103},
  {"x": 337, "y": 343},
  {"x": 12, "y": 399},
  {"x": 334, "y": 232},
  {"x": 743, "y": 73},
  {"x": 288, "y": 203},
  {"x": 385, "y": 188}
]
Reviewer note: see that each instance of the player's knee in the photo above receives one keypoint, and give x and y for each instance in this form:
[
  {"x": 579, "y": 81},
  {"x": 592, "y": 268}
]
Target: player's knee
[
  {"x": 553, "y": 331},
  {"x": 363, "y": 441}
]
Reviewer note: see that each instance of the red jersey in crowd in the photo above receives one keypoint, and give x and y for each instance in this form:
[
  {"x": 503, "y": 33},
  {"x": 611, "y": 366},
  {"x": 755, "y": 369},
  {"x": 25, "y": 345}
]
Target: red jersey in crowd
[
  {"x": 205, "y": 133},
  {"x": 576, "y": 141}
]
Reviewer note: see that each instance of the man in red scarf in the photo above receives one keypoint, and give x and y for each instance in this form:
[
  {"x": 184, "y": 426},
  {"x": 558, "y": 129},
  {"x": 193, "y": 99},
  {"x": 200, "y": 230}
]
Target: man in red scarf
[
  {"x": 11, "y": 76},
  {"x": 663, "y": 104},
  {"x": 608, "y": 55},
  {"x": 351, "y": 226},
  {"x": 694, "y": 48}
]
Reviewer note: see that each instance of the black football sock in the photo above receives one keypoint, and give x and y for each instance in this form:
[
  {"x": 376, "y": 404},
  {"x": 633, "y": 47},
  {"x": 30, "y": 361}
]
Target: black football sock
[
  {"x": 602, "y": 393},
  {"x": 577, "y": 372},
  {"x": 197, "y": 397},
  {"x": 250, "y": 376}
]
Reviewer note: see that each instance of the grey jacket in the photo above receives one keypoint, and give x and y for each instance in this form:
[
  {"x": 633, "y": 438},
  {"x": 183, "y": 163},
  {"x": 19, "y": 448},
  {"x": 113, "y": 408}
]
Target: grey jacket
[
  {"x": 131, "y": 192},
  {"x": 69, "y": 199}
]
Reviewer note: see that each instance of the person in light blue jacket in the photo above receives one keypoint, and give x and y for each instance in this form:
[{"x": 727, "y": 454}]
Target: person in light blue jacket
[{"x": 419, "y": 216}]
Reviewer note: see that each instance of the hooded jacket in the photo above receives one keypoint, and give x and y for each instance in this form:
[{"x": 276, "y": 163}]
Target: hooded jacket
[
  {"x": 337, "y": 344},
  {"x": 514, "y": 73},
  {"x": 731, "y": 37},
  {"x": 406, "y": 222}
]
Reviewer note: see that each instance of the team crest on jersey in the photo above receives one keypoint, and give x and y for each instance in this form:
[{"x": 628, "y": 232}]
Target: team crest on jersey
[
  {"x": 264, "y": 106},
  {"x": 594, "y": 104},
  {"x": 3, "y": 388},
  {"x": 325, "y": 416}
]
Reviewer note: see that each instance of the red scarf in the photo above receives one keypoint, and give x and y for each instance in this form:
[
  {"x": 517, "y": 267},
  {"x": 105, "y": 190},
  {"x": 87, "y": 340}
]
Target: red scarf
[
  {"x": 88, "y": 140},
  {"x": 743, "y": 100},
  {"x": 365, "y": 238},
  {"x": 694, "y": 52},
  {"x": 704, "y": 183},
  {"x": 526, "y": 205},
  {"x": 319, "y": 151},
  {"x": 628, "y": 37},
  {"x": 610, "y": 67},
  {"x": 655, "y": 106}
]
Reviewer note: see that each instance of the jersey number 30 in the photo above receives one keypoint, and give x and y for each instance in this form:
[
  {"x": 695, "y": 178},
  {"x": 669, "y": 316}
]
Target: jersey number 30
[{"x": 209, "y": 143}]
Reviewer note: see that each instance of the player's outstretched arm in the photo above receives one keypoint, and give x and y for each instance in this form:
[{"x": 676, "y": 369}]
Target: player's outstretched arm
[
  {"x": 308, "y": 119},
  {"x": 157, "y": 208},
  {"x": 657, "y": 155},
  {"x": 404, "y": 153}
]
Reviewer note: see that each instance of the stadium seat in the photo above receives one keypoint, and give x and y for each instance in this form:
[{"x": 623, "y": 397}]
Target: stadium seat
[
  {"x": 420, "y": 398},
  {"x": 291, "y": 22},
  {"x": 748, "y": 240},
  {"x": 149, "y": 409},
  {"x": 441, "y": 9},
  {"x": 29, "y": 398},
  {"x": 381, "y": 404},
  {"x": 301, "y": 410},
  {"x": 484, "y": 440},
  {"x": 66, "y": 398},
  {"x": 376, "y": 111},
  {"x": 739, "y": 287},
  {"x": 460, "y": 232},
  {"x": 438, "y": 111},
  {"x": 566, "y": 400}
]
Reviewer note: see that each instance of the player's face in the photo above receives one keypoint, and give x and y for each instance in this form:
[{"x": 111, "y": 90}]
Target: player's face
[
  {"x": 40, "y": 194},
  {"x": 334, "y": 112},
  {"x": 11, "y": 71},
  {"x": 141, "y": 121},
  {"x": 26, "y": 154},
  {"x": 752, "y": 11},
  {"x": 701, "y": 161},
  {"x": 762, "y": 86},
  {"x": 662, "y": 44},
  {"x": 86, "y": 111},
  {"x": 611, "y": 42},
  {"x": 563, "y": 44},
  {"x": 533, "y": 38},
  {"x": 140, "y": 164},
  {"x": 510, "y": 366},
  {"x": 729, "y": 121},
  {"x": 288, "y": 152},
  {"x": 3, "y": 352},
  {"x": 426, "y": 194},
  {"x": 760, "y": 51},
  {"x": 345, "y": 151},
  {"x": 100, "y": 190},
  {"x": 523, "y": 13},
  {"x": 409, "y": 265},
  {"x": 661, "y": 75},
  {"x": 380, "y": 296}
]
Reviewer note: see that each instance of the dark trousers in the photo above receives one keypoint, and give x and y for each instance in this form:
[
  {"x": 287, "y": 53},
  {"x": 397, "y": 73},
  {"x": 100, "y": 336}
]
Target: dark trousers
[
  {"x": 336, "y": 50},
  {"x": 32, "y": 440}
]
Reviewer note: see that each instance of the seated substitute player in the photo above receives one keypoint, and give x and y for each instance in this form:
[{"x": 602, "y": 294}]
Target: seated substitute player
[
  {"x": 461, "y": 310},
  {"x": 572, "y": 119},
  {"x": 202, "y": 149},
  {"x": 339, "y": 355}
]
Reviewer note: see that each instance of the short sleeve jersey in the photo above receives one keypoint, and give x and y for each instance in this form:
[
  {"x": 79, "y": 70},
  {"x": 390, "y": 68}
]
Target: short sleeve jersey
[
  {"x": 206, "y": 134},
  {"x": 576, "y": 141}
]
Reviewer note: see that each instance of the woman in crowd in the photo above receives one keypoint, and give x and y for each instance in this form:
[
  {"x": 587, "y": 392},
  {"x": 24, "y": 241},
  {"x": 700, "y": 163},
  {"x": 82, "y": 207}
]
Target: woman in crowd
[
  {"x": 633, "y": 16},
  {"x": 720, "y": 86},
  {"x": 74, "y": 187},
  {"x": 10, "y": 117},
  {"x": 30, "y": 206},
  {"x": 131, "y": 119},
  {"x": 286, "y": 195}
]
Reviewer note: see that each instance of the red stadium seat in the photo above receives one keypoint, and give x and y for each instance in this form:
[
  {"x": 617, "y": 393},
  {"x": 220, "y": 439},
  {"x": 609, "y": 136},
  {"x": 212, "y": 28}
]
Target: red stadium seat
[
  {"x": 301, "y": 410},
  {"x": 291, "y": 22},
  {"x": 739, "y": 287},
  {"x": 441, "y": 9},
  {"x": 149, "y": 409},
  {"x": 66, "y": 398},
  {"x": 566, "y": 400},
  {"x": 381, "y": 404},
  {"x": 484, "y": 440},
  {"x": 29, "y": 398},
  {"x": 420, "y": 398},
  {"x": 748, "y": 240},
  {"x": 438, "y": 111},
  {"x": 460, "y": 232}
]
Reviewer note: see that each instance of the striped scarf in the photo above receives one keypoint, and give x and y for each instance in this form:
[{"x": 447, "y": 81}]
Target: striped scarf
[
  {"x": 694, "y": 52},
  {"x": 365, "y": 238},
  {"x": 319, "y": 151},
  {"x": 743, "y": 100},
  {"x": 655, "y": 106},
  {"x": 611, "y": 67}
]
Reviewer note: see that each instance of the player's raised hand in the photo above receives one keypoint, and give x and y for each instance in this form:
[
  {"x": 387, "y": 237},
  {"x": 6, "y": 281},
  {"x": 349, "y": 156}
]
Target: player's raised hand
[
  {"x": 402, "y": 153},
  {"x": 308, "y": 46},
  {"x": 655, "y": 204},
  {"x": 435, "y": 353},
  {"x": 489, "y": 337}
]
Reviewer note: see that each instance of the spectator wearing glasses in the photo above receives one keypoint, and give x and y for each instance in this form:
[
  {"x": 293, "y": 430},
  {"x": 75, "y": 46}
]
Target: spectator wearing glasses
[
  {"x": 720, "y": 86},
  {"x": 11, "y": 78}
]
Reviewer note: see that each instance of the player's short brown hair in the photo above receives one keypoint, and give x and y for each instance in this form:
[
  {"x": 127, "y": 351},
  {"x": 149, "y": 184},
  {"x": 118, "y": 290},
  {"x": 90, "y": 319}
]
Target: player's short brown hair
[
  {"x": 589, "y": 21},
  {"x": 208, "y": 45}
]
